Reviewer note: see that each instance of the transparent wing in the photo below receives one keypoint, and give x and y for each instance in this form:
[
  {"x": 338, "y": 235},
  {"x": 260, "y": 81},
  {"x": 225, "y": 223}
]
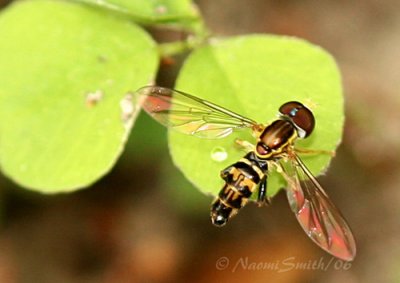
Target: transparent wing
[
  {"x": 189, "y": 114},
  {"x": 318, "y": 216}
]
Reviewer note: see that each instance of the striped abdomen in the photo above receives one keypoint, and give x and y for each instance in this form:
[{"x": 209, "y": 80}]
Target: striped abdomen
[{"x": 241, "y": 180}]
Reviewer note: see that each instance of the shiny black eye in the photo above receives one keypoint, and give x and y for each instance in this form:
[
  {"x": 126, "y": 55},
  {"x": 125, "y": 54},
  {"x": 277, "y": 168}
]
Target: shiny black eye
[{"x": 301, "y": 117}]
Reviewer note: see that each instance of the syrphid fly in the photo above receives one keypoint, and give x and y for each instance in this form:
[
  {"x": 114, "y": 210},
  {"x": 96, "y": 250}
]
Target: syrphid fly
[{"x": 274, "y": 150}]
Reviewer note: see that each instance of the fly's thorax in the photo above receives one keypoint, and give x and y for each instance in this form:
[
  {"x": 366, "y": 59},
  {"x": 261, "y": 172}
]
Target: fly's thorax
[{"x": 275, "y": 139}]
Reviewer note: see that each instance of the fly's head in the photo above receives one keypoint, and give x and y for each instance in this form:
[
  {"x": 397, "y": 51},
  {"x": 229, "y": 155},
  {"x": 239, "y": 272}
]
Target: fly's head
[{"x": 300, "y": 116}]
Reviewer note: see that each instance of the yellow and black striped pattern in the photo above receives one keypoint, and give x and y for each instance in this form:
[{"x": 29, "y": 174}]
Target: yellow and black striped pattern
[
  {"x": 241, "y": 180},
  {"x": 243, "y": 177}
]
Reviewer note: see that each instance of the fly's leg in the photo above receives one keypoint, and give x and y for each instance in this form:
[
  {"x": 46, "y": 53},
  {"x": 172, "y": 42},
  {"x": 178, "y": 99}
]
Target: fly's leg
[
  {"x": 245, "y": 145},
  {"x": 314, "y": 151},
  {"x": 262, "y": 193}
]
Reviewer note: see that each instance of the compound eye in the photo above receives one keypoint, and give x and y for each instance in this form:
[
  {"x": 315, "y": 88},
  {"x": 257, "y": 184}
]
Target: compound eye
[{"x": 301, "y": 117}]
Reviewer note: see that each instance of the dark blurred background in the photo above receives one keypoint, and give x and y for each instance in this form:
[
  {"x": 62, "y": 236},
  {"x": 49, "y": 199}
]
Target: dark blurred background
[{"x": 144, "y": 222}]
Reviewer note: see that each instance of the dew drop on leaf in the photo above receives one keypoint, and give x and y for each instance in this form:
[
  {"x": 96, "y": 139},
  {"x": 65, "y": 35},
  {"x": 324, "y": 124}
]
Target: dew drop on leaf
[{"x": 219, "y": 154}]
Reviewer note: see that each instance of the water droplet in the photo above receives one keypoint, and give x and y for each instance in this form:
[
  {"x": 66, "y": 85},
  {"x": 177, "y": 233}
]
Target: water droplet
[{"x": 219, "y": 154}]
